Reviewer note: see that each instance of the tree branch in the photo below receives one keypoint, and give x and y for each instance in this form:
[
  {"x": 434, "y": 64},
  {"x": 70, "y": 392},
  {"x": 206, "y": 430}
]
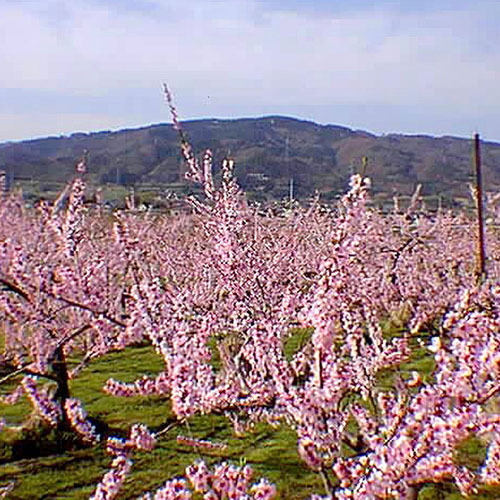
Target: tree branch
[
  {"x": 27, "y": 371},
  {"x": 77, "y": 332},
  {"x": 85, "y": 307},
  {"x": 12, "y": 287}
]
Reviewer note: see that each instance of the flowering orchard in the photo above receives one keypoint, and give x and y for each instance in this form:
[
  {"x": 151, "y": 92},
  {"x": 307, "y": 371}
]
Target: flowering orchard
[{"x": 221, "y": 295}]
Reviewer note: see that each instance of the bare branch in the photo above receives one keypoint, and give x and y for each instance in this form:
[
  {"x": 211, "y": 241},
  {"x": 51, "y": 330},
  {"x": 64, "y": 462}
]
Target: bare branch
[
  {"x": 12, "y": 287},
  {"x": 27, "y": 371}
]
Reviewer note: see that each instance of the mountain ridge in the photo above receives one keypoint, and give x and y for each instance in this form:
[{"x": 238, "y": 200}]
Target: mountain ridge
[{"x": 268, "y": 152}]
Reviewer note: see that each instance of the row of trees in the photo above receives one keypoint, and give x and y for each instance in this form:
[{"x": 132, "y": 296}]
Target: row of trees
[{"x": 372, "y": 291}]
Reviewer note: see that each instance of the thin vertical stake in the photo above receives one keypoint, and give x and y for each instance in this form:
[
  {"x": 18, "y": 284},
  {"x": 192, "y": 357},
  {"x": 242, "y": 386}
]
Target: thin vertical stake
[
  {"x": 364, "y": 166},
  {"x": 481, "y": 256}
]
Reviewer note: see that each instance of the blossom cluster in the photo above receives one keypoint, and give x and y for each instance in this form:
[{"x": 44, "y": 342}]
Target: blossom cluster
[
  {"x": 112, "y": 481},
  {"x": 200, "y": 443},
  {"x": 139, "y": 439},
  {"x": 225, "y": 481},
  {"x": 144, "y": 386},
  {"x": 78, "y": 419},
  {"x": 48, "y": 409}
]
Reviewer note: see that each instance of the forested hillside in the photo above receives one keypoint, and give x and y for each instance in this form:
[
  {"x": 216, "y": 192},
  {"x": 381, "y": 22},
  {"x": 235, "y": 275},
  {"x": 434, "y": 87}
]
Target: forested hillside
[{"x": 268, "y": 152}]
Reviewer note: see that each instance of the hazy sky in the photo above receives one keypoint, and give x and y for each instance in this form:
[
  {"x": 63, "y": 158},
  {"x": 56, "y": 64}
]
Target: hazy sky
[{"x": 426, "y": 66}]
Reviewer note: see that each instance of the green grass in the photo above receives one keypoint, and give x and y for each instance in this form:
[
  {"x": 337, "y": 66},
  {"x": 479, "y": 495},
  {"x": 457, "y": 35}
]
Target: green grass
[
  {"x": 270, "y": 452},
  {"x": 73, "y": 474}
]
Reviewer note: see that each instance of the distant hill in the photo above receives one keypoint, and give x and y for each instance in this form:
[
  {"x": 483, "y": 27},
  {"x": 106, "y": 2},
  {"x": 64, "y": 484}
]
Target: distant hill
[{"x": 268, "y": 152}]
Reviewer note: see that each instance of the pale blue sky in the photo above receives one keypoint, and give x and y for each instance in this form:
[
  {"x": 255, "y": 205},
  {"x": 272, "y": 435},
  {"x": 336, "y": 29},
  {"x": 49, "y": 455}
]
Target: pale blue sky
[{"x": 384, "y": 66}]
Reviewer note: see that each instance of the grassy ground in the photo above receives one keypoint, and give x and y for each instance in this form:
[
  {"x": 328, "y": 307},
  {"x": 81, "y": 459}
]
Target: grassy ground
[{"x": 270, "y": 452}]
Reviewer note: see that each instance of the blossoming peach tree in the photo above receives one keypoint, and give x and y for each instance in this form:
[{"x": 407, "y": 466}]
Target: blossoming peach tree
[{"x": 58, "y": 296}]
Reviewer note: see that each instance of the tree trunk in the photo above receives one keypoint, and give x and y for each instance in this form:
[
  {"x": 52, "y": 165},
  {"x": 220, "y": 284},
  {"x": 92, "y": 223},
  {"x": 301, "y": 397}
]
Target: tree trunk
[
  {"x": 413, "y": 493},
  {"x": 60, "y": 370}
]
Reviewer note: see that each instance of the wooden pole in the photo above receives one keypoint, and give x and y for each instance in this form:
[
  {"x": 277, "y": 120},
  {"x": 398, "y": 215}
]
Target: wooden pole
[
  {"x": 481, "y": 253},
  {"x": 364, "y": 166}
]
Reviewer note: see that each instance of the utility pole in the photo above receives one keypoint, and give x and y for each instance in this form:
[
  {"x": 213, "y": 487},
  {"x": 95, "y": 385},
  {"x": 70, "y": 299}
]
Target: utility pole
[
  {"x": 481, "y": 252},
  {"x": 287, "y": 163},
  {"x": 3, "y": 182},
  {"x": 364, "y": 166}
]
